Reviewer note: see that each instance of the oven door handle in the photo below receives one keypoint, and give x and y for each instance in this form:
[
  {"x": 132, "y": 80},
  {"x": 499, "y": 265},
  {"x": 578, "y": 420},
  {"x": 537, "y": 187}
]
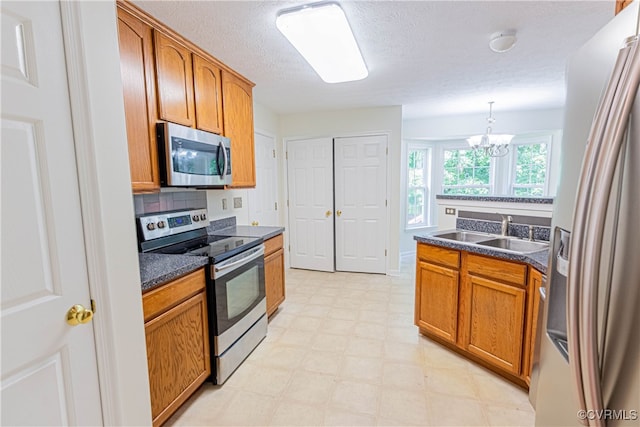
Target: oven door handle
[{"x": 255, "y": 253}]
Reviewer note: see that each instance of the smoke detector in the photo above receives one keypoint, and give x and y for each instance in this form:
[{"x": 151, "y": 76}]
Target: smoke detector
[{"x": 503, "y": 41}]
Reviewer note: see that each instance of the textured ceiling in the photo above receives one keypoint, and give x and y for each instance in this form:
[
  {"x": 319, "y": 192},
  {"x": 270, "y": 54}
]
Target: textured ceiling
[{"x": 431, "y": 57}]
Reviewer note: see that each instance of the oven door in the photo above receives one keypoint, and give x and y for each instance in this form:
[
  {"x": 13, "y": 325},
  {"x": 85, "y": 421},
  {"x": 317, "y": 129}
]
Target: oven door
[{"x": 239, "y": 296}]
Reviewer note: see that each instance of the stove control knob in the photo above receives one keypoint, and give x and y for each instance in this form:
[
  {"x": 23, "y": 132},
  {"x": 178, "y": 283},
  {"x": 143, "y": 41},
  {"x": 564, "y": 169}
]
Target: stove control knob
[
  {"x": 151, "y": 226},
  {"x": 196, "y": 218},
  {"x": 161, "y": 224},
  {"x": 203, "y": 216}
]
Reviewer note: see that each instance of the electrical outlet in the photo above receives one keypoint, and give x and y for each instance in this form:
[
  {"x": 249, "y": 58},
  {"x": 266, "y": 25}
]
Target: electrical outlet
[
  {"x": 449, "y": 211},
  {"x": 224, "y": 204},
  {"x": 237, "y": 202}
]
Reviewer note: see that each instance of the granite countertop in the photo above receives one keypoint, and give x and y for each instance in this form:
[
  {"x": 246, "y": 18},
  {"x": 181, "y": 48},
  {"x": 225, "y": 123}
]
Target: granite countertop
[
  {"x": 537, "y": 260},
  {"x": 508, "y": 199},
  {"x": 157, "y": 269},
  {"x": 262, "y": 232}
]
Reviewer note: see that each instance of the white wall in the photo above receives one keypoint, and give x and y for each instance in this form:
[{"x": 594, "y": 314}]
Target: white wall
[
  {"x": 101, "y": 144},
  {"x": 515, "y": 122},
  {"x": 265, "y": 121},
  {"x": 351, "y": 123},
  {"x": 448, "y": 222},
  {"x": 437, "y": 130}
]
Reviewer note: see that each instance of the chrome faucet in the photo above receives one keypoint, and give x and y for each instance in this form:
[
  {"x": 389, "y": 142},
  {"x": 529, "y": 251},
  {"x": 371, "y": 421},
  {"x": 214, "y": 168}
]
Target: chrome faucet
[{"x": 506, "y": 220}]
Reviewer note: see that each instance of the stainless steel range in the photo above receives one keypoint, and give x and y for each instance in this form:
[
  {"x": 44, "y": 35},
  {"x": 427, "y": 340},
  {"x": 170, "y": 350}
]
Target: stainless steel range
[{"x": 236, "y": 300}]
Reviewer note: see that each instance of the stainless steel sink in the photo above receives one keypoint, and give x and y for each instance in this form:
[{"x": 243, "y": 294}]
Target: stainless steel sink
[
  {"x": 516, "y": 245},
  {"x": 463, "y": 236}
]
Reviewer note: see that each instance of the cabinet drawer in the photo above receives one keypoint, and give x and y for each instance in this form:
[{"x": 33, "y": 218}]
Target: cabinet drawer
[
  {"x": 273, "y": 244},
  {"x": 503, "y": 271},
  {"x": 161, "y": 299},
  {"x": 438, "y": 255}
]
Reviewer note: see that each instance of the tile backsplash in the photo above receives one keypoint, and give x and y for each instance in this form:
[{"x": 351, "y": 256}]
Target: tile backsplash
[
  {"x": 492, "y": 223},
  {"x": 165, "y": 201}
]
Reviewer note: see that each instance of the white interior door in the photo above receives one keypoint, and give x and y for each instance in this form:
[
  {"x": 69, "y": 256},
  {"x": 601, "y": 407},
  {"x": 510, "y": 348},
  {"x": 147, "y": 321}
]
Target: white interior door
[
  {"x": 262, "y": 201},
  {"x": 310, "y": 185},
  {"x": 49, "y": 369},
  {"x": 360, "y": 198}
]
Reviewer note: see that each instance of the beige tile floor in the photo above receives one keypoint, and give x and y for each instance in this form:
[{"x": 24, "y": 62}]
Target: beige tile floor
[{"x": 343, "y": 351}]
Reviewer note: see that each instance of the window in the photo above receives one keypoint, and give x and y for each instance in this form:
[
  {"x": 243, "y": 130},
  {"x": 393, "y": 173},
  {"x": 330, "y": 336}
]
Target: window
[
  {"x": 417, "y": 187},
  {"x": 466, "y": 172},
  {"x": 529, "y": 175}
]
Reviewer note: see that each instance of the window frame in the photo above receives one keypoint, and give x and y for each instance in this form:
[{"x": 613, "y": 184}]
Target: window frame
[
  {"x": 513, "y": 161},
  {"x": 428, "y": 174},
  {"x": 463, "y": 145}
]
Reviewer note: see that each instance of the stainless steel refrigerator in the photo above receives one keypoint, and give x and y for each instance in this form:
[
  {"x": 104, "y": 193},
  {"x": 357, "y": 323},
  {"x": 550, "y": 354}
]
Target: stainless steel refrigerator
[{"x": 587, "y": 362}]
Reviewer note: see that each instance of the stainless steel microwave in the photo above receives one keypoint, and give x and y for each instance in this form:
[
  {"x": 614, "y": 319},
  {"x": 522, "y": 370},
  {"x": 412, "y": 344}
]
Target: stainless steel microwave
[{"x": 193, "y": 158}]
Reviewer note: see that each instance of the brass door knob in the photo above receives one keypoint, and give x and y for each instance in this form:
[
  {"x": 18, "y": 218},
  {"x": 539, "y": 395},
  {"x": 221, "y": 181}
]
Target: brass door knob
[
  {"x": 79, "y": 315},
  {"x": 339, "y": 212},
  {"x": 327, "y": 214}
]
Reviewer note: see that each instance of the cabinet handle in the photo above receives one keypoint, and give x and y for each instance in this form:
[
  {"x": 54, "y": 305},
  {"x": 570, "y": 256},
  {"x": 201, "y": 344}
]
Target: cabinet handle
[
  {"x": 339, "y": 212},
  {"x": 327, "y": 214}
]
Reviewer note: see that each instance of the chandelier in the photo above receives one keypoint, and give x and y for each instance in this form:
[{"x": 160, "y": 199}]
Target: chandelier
[{"x": 494, "y": 145}]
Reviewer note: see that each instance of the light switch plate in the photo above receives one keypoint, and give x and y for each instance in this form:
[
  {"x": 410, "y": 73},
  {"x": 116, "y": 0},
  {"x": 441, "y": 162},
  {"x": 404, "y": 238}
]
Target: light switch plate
[
  {"x": 237, "y": 202},
  {"x": 224, "y": 204}
]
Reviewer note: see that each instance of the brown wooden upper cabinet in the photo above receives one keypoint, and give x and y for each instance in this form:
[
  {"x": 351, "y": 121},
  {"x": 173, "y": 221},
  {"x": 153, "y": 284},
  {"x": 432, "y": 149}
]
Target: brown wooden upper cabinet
[
  {"x": 208, "y": 95},
  {"x": 621, "y": 4},
  {"x": 237, "y": 102},
  {"x": 174, "y": 72},
  {"x": 138, "y": 81},
  {"x": 167, "y": 78}
]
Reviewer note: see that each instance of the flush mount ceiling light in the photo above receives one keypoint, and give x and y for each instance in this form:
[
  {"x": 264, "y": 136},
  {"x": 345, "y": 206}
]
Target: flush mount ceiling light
[
  {"x": 503, "y": 41},
  {"x": 322, "y": 35},
  {"x": 495, "y": 145}
]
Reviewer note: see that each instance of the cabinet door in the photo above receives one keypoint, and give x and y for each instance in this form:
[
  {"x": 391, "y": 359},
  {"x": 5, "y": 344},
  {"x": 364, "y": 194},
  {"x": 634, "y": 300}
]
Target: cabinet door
[
  {"x": 177, "y": 355},
  {"x": 136, "y": 65},
  {"x": 237, "y": 104},
  {"x": 208, "y": 95},
  {"x": 495, "y": 322},
  {"x": 437, "y": 300},
  {"x": 175, "y": 80},
  {"x": 274, "y": 280},
  {"x": 533, "y": 306}
]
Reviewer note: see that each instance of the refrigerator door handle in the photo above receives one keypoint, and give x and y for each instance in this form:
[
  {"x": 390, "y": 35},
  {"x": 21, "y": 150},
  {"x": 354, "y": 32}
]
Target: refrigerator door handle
[
  {"x": 576, "y": 249},
  {"x": 609, "y": 135}
]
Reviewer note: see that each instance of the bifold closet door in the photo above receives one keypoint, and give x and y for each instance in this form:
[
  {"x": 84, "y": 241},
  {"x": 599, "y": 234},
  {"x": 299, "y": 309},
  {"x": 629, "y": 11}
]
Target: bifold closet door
[
  {"x": 360, "y": 203},
  {"x": 310, "y": 187}
]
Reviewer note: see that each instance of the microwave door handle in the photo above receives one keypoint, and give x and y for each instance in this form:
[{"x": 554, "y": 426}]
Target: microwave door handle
[
  {"x": 218, "y": 165},
  {"x": 226, "y": 159}
]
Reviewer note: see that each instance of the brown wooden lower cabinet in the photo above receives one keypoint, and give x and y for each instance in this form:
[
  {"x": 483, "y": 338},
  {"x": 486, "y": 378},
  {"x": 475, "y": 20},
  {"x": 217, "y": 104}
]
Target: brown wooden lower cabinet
[
  {"x": 481, "y": 306},
  {"x": 437, "y": 300},
  {"x": 495, "y": 322},
  {"x": 177, "y": 336},
  {"x": 533, "y": 301},
  {"x": 274, "y": 273}
]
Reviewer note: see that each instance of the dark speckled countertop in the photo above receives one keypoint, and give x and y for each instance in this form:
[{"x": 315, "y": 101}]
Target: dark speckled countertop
[
  {"x": 249, "y": 231},
  {"x": 504, "y": 199},
  {"x": 157, "y": 269},
  {"x": 537, "y": 260}
]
